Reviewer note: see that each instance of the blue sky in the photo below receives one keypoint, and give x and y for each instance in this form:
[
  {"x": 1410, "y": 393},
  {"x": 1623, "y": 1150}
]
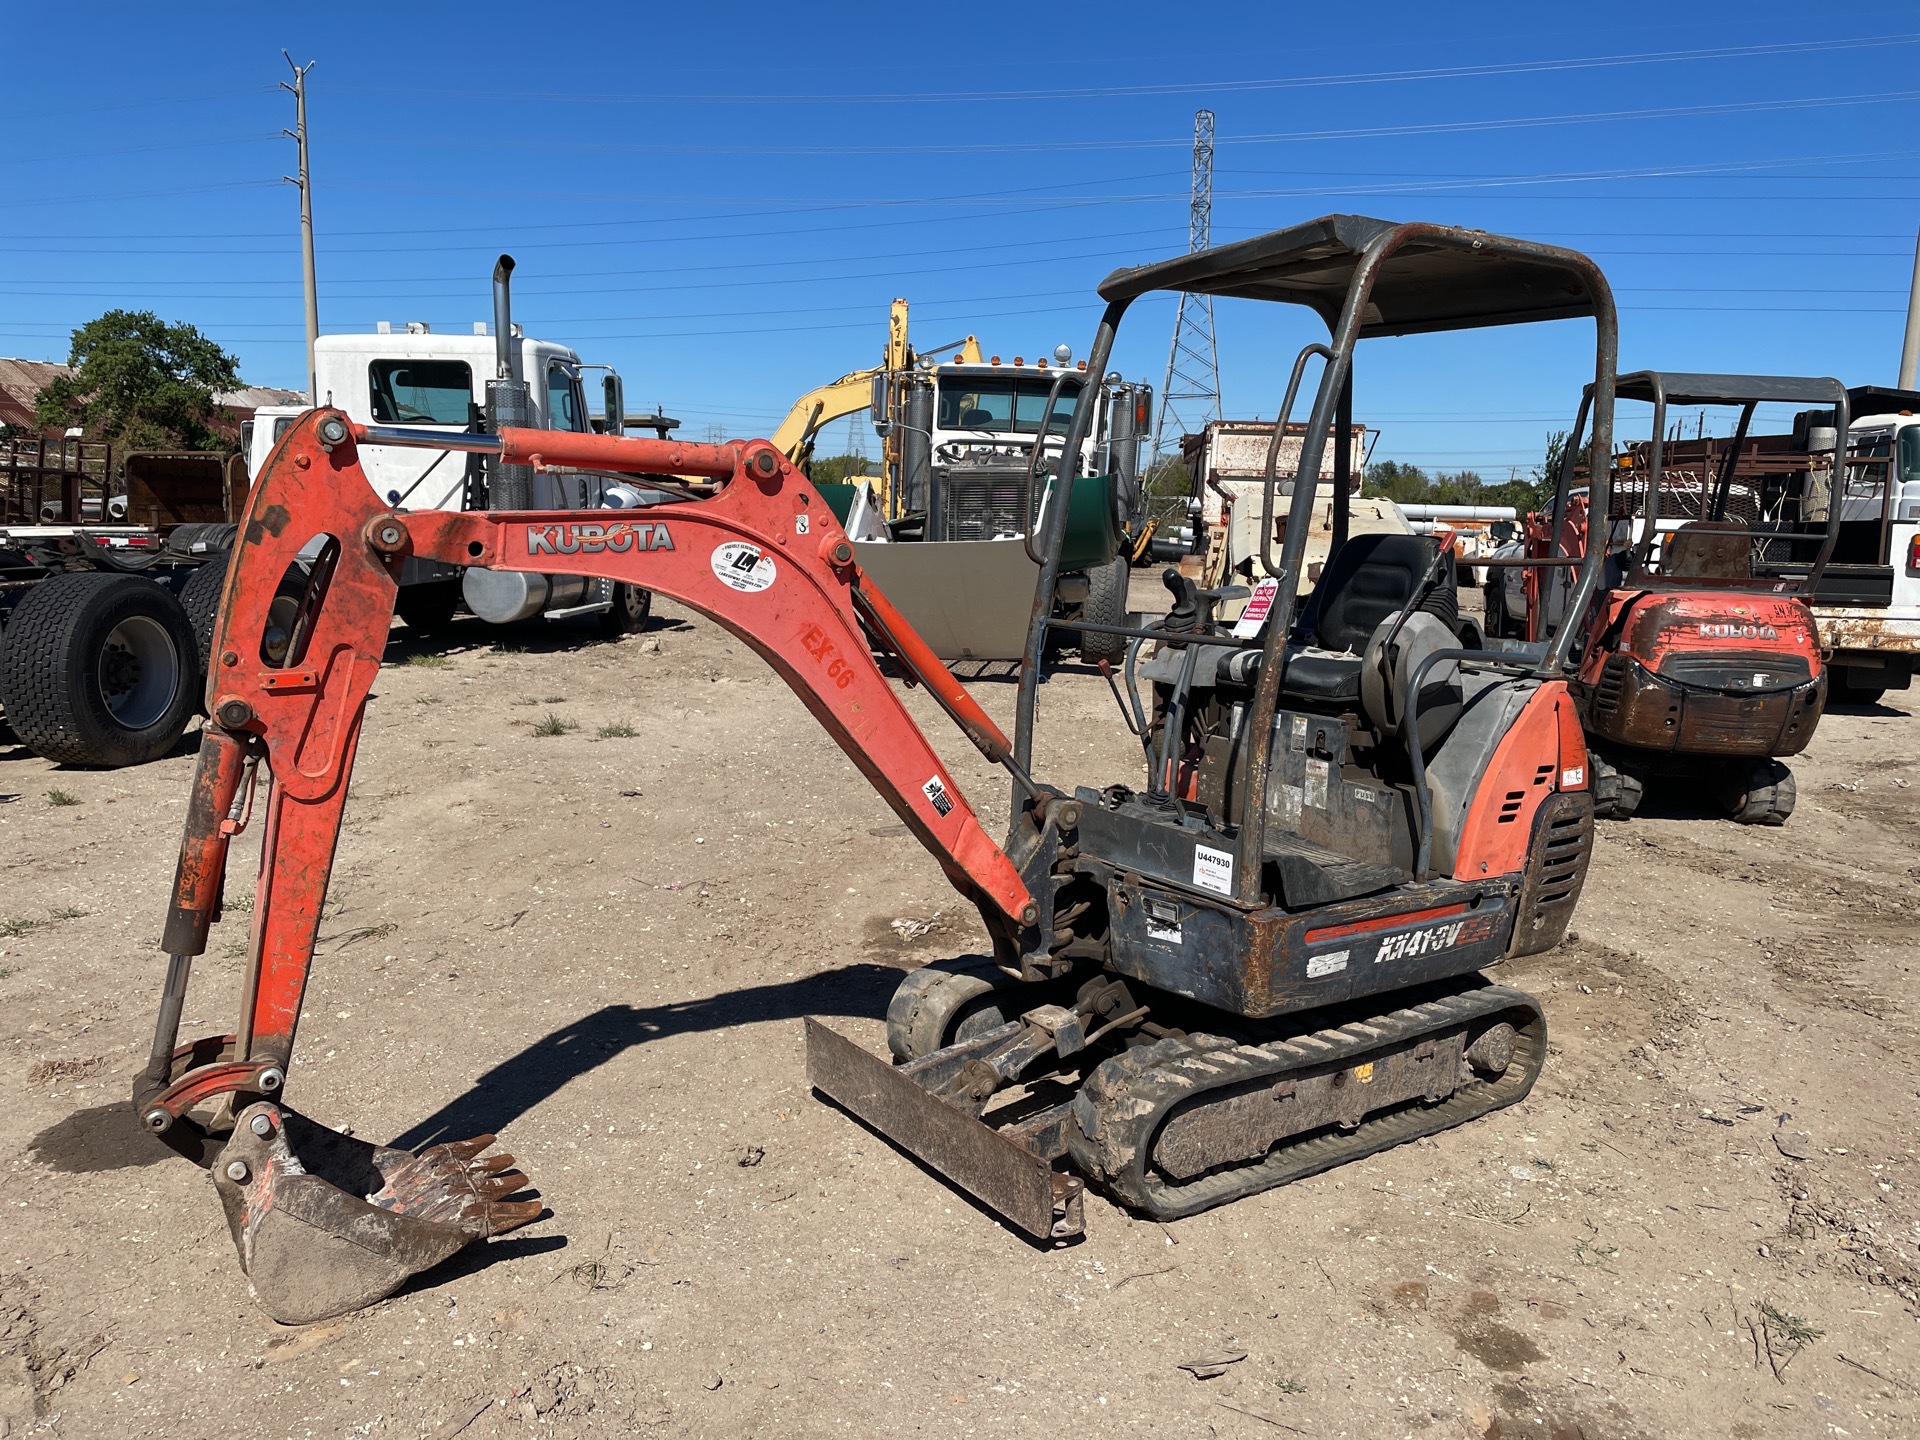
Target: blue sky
[{"x": 721, "y": 200}]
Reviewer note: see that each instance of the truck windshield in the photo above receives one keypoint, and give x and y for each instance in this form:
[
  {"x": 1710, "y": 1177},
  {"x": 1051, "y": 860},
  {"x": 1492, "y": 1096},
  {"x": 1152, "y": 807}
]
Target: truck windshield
[
  {"x": 1013, "y": 404},
  {"x": 421, "y": 392}
]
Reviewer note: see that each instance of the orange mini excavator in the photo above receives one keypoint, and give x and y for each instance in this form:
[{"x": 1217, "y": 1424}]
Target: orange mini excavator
[
  {"x": 1701, "y": 660},
  {"x": 1264, "y": 963}
]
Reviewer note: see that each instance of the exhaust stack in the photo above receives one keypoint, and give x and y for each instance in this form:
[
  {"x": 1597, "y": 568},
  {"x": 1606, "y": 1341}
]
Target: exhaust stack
[
  {"x": 509, "y": 487},
  {"x": 503, "y": 318}
]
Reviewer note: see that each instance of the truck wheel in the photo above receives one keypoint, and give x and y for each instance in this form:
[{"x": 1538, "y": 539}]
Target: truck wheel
[
  {"x": 99, "y": 669},
  {"x": 1106, "y": 604},
  {"x": 200, "y": 598},
  {"x": 1757, "y": 792},
  {"x": 632, "y": 606},
  {"x": 1849, "y": 692},
  {"x": 428, "y": 607}
]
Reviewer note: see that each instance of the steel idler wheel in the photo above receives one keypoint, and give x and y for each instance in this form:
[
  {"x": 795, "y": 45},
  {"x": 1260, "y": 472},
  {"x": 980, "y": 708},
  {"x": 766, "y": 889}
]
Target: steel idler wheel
[{"x": 325, "y": 1223}]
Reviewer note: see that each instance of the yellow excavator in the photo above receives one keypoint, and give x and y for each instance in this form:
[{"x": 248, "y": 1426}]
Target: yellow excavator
[{"x": 853, "y": 392}]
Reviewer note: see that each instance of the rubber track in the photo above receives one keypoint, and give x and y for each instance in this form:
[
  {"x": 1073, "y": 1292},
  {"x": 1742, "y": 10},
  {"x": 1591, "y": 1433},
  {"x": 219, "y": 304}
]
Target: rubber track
[{"x": 1122, "y": 1104}]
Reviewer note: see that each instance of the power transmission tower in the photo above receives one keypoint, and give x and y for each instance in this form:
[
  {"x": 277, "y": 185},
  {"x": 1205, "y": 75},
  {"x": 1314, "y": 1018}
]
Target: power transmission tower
[
  {"x": 1190, "y": 396},
  {"x": 299, "y": 137}
]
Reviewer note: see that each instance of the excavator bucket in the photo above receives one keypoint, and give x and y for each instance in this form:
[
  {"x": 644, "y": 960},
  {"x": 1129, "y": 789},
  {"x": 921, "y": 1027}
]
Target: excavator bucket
[{"x": 325, "y": 1223}]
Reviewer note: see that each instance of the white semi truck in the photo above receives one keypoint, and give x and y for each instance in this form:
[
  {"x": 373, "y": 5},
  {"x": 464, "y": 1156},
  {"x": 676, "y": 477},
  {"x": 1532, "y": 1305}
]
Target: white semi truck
[
  {"x": 1868, "y": 602},
  {"x": 456, "y": 382},
  {"x": 109, "y": 591},
  {"x": 974, "y": 453}
]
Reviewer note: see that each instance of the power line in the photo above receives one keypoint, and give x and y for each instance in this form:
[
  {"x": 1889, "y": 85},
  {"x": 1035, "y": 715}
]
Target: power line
[{"x": 1210, "y": 87}]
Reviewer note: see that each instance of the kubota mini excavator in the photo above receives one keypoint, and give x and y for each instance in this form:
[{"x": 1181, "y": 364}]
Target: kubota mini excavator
[
  {"x": 1264, "y": 964},
  {"x": 1700, "y": 659}
]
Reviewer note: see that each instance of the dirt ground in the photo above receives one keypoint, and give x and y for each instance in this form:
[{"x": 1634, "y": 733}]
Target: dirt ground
[{"x": 1705, "y": 1220}]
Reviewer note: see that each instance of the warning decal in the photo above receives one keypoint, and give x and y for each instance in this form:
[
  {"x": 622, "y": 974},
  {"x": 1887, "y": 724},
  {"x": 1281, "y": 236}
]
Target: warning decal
[{"x": 937, "y": 795}]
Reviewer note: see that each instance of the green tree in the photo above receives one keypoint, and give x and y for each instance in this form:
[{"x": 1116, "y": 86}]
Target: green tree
[
  {"x": 1171, "y": 476},
  {"x": 141, "y": 383},
  {"x": 833, "y": 469},
  {"x": 1396, "y": 481}
]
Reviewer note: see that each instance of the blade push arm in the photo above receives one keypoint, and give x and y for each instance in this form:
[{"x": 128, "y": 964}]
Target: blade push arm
[{"x": 308, "y": 603}]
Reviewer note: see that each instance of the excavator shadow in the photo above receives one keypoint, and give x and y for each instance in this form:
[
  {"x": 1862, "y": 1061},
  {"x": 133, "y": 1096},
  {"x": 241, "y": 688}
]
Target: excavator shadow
[{"x": 540, "y": 1071}]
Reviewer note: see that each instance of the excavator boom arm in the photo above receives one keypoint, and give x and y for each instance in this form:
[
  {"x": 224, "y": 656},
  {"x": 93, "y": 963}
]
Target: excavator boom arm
[{"x": 290, "y": 674}]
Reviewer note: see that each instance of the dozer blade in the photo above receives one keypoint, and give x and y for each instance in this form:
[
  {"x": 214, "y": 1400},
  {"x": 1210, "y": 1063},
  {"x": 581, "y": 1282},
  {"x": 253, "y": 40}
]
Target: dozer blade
[
  {"x": 325, "y": 1223},
  {"x": 1019, "y": 1184}
]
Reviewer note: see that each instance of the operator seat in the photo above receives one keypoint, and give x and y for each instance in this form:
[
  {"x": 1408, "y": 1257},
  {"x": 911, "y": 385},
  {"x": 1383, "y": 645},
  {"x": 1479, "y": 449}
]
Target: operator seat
[{"x": 1369, "y": 578}]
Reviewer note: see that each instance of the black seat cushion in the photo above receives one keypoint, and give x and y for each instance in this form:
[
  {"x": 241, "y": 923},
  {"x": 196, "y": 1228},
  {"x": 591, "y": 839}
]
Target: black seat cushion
[
  {"x": 1369, "y": 578},
  {"x": 1326, "y": 679}
]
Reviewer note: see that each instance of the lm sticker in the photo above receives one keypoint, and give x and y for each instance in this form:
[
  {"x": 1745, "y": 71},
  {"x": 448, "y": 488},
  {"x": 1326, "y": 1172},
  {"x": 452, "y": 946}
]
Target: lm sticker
[
  {"x": 1573, "y": 779},
  {"x": 743, "y": 567},
  {"x": 1213, "y": 870}
]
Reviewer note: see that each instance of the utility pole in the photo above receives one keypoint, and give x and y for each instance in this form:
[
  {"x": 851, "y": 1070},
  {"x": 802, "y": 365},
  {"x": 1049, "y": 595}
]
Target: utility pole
[
  {"x": 299, "y": 137},
  {"x": 1910, "y": 351},
  {"x": 1193, "y": 363}
]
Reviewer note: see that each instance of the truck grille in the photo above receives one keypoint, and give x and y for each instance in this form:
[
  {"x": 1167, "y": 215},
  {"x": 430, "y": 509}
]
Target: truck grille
[{"x": 983, "y": 502}]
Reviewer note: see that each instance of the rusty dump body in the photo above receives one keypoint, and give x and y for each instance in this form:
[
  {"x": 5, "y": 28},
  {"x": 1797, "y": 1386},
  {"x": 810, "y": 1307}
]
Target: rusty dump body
[
  {"x": 1263, "y": 965},
  {"x": 1704, "y": 648}
]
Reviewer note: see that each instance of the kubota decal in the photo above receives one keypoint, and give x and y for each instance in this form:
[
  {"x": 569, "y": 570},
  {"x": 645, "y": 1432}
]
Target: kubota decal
[
  {"x": 1434, "y": 937},
  {"x": 592, "y": 537},
  {"x": 1737, "y": 630}
]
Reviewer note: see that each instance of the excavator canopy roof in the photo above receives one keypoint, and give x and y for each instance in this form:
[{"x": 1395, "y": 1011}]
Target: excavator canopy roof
[
  {"x": 1440, "y": 277},
  {"x": 1688, "y": 389}
]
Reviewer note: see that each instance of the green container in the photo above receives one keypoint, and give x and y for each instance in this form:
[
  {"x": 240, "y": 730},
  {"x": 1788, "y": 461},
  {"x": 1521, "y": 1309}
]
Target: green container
[
  {"x": 1093, "y": 524},
  {"x": 839, "y": 497}
]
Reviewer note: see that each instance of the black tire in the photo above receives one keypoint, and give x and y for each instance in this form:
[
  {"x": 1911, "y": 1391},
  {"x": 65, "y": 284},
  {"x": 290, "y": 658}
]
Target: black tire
[
  {"x": 1106, "y": 604},
  {"x": 632, "y": 608},
  {"x": 428, "y": 607},
  {"x": 1848, "y": 693},
  {"x": 200, "y": 598},
  {"x": 1757, "y": 792},
  {"x": 99, "y": 670}
]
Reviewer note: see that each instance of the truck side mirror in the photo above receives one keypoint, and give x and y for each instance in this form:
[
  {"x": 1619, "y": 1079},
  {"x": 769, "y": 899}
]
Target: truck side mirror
[
  {"x": 877, "y": 406},
  {"x": 613, "y": 405}
]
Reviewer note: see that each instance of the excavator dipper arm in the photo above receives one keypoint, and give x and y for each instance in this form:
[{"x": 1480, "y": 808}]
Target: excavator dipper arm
[{"x": 308, "y": 603}]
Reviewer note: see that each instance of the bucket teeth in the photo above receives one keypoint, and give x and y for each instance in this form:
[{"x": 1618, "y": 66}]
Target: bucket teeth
[{"x": 325, "y": 1223}]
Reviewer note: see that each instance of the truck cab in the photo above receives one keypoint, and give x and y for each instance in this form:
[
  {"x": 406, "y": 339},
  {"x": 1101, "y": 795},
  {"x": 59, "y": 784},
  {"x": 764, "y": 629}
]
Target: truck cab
[
  {"x": 419, "y": 378},
  {"x": 968, "y": 475},
  {"x": 1867, "y": 603}
]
